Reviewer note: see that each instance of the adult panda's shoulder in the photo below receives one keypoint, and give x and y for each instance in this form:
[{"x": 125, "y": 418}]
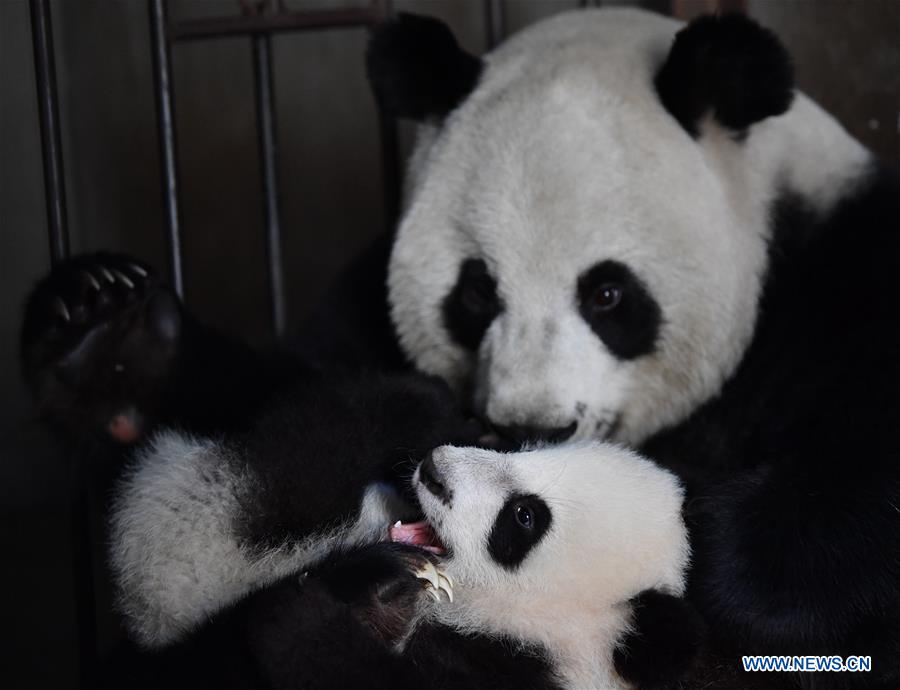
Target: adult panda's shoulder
[{"x": 826, "y": 346}]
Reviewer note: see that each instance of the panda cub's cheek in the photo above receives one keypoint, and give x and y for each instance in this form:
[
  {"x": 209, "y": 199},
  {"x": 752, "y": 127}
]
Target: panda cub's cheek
[{"x": 620, "y": 309}]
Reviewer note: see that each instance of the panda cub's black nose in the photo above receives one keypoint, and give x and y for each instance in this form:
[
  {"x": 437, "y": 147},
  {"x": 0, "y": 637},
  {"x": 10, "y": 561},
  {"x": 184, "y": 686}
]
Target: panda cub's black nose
[{"x": 432, "y": 479}]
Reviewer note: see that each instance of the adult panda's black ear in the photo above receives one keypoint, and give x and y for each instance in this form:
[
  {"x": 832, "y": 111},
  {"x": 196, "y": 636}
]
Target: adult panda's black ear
[
  {"x": 729, "y": 66},
  {"x": 417, "y": 68}
]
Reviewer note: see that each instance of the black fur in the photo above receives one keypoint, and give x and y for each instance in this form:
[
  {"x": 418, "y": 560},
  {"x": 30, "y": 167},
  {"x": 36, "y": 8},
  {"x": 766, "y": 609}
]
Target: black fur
[
  {"x": 316, "y": 450},
  {"x": 727, "y": 65},
  {"x": 630, "y": 328},
  {"x": 472, "y": 304},
  {"x": 433, "y": 656},
  {"x": 792, "y": 471},
  {"x": 510, "y": 540},
  {"x": 667, "y": 640},
  {"x": 417, "y": 68}
]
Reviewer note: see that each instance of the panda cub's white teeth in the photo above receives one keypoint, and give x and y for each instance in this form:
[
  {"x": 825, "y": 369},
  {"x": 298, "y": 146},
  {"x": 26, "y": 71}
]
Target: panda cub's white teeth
[{"x": 437, "y": 581}]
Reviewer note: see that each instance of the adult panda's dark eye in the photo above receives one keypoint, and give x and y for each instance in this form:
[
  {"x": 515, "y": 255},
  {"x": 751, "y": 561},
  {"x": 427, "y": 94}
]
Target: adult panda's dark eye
[
  {"x": 524, "y": 516},
  {"x": 607, "y": 298},
  {"x": 619, "y": 308}
]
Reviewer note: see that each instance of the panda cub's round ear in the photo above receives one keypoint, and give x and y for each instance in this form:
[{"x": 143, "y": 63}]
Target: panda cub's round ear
[
  {"x": 417, "y": 68},
  {"x": 727, "y": 65}
]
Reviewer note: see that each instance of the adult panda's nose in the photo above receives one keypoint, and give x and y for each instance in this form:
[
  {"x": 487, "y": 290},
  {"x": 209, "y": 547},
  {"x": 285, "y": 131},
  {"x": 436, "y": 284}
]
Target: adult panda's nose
[
  {"x": 537, "y": 434},
  {"x": 432, "y": 478}
]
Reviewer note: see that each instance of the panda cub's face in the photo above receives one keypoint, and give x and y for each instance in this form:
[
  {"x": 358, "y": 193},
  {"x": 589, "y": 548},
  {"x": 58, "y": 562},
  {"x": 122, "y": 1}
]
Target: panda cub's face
[
  {"x": 586, "y": 525},
  {"x": 571, "y": 258}
]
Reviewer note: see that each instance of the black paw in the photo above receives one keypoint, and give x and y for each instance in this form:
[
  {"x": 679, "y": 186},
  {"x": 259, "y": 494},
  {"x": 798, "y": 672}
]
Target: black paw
[
  {"x": 99, "y": 337},
  {"x": 387, "y": 585},
  {"x": 667, "y": 638}
]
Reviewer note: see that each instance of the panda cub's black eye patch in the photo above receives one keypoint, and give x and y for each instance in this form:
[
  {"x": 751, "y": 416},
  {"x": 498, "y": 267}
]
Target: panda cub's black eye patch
[
  {"x": 521, "y": 523},
  {"x": 619, "y": 309},
  {"x": 472, "y": 304}
]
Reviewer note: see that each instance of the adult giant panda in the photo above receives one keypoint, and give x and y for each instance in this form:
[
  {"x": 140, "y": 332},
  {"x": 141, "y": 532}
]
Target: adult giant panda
[{"x": 624, "y": 228}]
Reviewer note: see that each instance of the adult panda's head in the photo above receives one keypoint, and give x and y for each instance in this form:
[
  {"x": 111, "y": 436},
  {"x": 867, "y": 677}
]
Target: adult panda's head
[
  {"x": 585, "y": 232},
  {"x": 549, "y": 545}
]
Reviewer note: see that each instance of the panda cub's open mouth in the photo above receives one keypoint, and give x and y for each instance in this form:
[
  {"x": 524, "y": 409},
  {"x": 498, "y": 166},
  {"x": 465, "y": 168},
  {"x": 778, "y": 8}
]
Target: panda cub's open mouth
[{"x": 419, "y": 534}]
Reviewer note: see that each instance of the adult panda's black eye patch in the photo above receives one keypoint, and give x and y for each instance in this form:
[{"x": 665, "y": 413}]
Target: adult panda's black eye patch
[
  {"x": 619, "y": 309},
  {"x": 521, "y": 523},
  {"x": 472, "y": 304}
]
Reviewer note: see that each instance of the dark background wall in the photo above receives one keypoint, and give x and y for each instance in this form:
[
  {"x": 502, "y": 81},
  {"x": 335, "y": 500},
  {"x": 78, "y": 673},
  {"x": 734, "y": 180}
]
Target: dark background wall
[{"x": 847, "y": 56}]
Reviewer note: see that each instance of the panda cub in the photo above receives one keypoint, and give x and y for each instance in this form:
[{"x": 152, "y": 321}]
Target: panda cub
[{"x": 553, "y": 560}]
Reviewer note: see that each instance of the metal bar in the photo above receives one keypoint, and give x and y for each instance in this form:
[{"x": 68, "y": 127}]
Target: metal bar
[
  {"x": 217, "y": 27},
  {"x": 51, "y": 145},
  {"x": 265, "y": 123},
  {"x": 162, "y": 87},
  {"x": 494, "y": 22}
]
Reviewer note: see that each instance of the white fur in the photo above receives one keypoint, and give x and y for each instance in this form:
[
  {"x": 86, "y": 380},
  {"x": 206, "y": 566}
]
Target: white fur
[
  {"x": 562, "y": 157},
  {"x": 175, "y": 551},
  {"x": 616, "y": 529}
]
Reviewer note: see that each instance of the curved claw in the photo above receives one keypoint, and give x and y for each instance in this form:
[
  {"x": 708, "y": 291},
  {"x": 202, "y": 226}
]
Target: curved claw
[
  {"x": 437, "y": 580},
  {"x": 124, "y": 279},
  {"x": 106, "y": 274},
  {"x": 138, "y": 269},
  {"x": 430, "y": 573},
  {"x": 91, "y": 279}
]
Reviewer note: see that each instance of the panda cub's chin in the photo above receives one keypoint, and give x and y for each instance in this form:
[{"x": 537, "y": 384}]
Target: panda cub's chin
[{"x": 547, "y": 546}]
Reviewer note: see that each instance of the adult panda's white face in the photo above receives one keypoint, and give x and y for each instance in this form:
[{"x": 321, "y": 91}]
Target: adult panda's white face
[{"x": 585, "y": 233}]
